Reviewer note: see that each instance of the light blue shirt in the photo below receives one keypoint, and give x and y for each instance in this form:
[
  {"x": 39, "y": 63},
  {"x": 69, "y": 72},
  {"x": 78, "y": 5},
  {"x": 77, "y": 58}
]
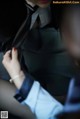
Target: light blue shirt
[{"x": 41, "y": 103}]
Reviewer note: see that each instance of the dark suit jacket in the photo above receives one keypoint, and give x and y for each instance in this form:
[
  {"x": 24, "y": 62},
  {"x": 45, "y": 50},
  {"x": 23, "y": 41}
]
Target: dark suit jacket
[{"x": 45, "y": 57}]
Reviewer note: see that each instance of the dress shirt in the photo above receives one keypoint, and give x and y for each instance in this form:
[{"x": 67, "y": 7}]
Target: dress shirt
[
  {"x": 41, "y": 103},
  {"x": 44, "y": 15}
]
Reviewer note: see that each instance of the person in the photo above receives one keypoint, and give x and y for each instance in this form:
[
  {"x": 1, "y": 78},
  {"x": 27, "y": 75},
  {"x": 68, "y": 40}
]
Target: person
[
  {"x": 39, "y": 100},
  {"x": 8, "y": 29},
  {"x": 38, "y": 47}
]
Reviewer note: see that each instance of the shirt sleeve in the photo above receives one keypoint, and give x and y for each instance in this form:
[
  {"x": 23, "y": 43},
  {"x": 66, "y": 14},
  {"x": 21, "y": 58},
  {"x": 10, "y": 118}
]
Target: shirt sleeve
[
  {"x": 41, "y": 103},
  {"x": 25, "y": 88}
]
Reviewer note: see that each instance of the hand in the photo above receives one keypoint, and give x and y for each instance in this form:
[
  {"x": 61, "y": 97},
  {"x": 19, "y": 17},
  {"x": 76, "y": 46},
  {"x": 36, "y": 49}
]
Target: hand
[{"x": 13, "y": 67}]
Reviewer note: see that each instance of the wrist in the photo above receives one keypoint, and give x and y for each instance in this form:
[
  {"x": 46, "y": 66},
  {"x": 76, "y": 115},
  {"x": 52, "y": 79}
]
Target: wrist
[{"x": 18, "y": 79}]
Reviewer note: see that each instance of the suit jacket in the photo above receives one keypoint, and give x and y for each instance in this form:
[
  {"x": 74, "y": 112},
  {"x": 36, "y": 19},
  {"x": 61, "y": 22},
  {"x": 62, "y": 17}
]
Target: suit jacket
[{"x": 44, "y": 55}]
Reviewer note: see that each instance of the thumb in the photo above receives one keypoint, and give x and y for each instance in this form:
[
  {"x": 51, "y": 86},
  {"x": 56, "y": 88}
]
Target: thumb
[{"x": 14, "y": 54}]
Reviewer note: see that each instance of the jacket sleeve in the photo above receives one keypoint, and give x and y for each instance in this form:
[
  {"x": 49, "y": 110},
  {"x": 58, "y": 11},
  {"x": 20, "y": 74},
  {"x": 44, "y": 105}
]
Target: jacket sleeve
[{"x": 41, "y": 103}]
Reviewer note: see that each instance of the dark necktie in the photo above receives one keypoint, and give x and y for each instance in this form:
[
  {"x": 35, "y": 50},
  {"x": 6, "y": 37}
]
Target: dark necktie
[{"x": 22, "y": 32}]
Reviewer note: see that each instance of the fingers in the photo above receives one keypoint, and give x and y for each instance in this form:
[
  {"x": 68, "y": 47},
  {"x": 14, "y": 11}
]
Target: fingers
[
  {"x": 7, "y": 56},
  {"x": 14, "y": 54}
]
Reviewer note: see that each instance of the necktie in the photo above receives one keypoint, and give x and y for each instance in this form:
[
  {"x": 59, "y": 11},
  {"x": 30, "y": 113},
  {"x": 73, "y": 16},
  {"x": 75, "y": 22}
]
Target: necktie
[{"x": 20, "y": 36}]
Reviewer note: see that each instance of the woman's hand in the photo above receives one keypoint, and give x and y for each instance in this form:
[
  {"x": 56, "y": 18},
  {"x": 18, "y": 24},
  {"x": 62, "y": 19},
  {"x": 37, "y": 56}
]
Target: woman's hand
[{"x": 12, "y": 65}]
